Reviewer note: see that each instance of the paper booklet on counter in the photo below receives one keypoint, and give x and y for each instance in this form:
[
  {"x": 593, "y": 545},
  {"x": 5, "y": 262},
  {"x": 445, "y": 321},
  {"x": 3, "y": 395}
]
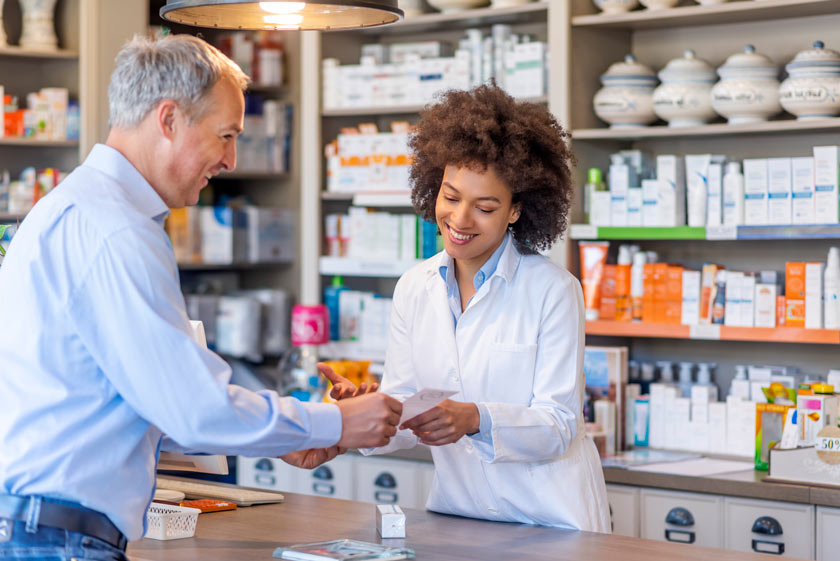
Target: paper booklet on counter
[
  {"x": 188, "y": 462},
  {"x": 342, "y": 550}
]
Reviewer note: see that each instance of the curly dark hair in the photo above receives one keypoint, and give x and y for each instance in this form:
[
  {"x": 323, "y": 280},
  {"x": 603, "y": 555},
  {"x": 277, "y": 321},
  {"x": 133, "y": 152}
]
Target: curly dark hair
[{"x": 524, "y": 144}]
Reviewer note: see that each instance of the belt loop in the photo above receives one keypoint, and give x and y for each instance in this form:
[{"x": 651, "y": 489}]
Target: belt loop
[{"x": 33, "y": 513}]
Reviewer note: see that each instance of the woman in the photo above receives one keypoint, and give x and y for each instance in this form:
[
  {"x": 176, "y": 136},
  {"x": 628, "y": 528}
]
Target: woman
[{"x": 494, "y": 321}]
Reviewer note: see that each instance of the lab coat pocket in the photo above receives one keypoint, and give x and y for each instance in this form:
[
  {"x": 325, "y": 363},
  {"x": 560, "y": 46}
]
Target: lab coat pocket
[{"x": 510, "y": 372}]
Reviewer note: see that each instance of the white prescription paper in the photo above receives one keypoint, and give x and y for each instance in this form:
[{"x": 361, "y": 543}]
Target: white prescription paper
[{"x": 422, "y": 401}]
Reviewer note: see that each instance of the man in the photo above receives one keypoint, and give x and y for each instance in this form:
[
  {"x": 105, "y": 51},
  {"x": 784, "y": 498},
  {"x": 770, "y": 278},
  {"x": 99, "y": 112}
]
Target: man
[{"x": 97, "y": 362}]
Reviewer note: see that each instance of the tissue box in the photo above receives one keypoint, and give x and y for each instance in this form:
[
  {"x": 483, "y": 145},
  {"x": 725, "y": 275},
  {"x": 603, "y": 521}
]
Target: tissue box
[{"x": 390, "y": 521}]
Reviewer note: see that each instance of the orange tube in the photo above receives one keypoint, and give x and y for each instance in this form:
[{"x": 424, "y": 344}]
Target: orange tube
[{"x": 593, "y": 256}]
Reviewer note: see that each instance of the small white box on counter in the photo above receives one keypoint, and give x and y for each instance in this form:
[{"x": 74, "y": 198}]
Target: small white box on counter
[
  {"x": 755, "y": 192},
  {"x": 390, "y": 521},
  {"x": 802, "y": 191}
]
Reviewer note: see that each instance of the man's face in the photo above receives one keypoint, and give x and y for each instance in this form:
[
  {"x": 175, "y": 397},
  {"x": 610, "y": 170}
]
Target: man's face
[{"x": 205, "y": 148}]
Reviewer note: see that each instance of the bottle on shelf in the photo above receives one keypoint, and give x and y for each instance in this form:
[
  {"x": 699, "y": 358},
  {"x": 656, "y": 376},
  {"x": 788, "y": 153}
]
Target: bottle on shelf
[
  {"x": 831, "y": 288},
  {"x": 637, "y": 279},
  {"x": 685, "y": 380},
  {"x": 594, "y": 182},
  {"x": 733, "y": 195},
  {"x": 623, "y": 299},
  {"x": 332, "y": 295},
  {"x": 666, "y": 371},
  {"x": 704, "y": 391}
]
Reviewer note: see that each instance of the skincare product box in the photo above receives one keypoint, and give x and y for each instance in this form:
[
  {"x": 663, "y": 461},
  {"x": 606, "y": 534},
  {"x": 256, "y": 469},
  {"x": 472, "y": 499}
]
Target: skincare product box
[
  {"x": 670, "y": 171},
  {"x": 732, "y": 313},
  {"x": 814, "y": 295},
  {"x": 690, "y": 297},
  {"x": 795, "y": 294},
  {"x": 765, "y": 305},
  {"x": 802, "y": 187},
  {"x": 714, "y": 206},
  {"x": 634, "y": 206},
  {"x": 747, "y": 300},
  {"x": 825, "y": 184},
  {"x": 696, "y": 172},
  {"x": 650, "y": 202},
  {"x": 779, "y": 185},
  {"x": 600, "y": 206},
  {"x": 755, "y": 192}
]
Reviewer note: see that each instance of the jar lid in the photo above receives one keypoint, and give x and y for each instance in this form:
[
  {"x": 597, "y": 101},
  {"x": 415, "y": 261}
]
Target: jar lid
[
  {"x": 818, "y": 58},
  {"x": 628, "y": 69},
  {"x": 688, "y": 68},
  {"x": 748, "y": 62}
]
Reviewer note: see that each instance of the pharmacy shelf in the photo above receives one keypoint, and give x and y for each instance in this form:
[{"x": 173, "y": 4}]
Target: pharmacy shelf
[
  {"x": 694, "y": 15},
  {"x": 6, "y": 217},
  {"x": 60, "y": 54},
  {"x": 231, "y": 266},
  {"x": 717, "y": 129},
  {"x": 712, "y": 332},
  {"x": 364, "y": 267},
  {"x": 253, "y": 175},
  {"x": 630, "y": 233},
  {"x": 388, "y": 199},
  {"x": 21, "y": 141},
  {"x": 400, "y": 110},
  {"x": 349, "y": 350},
  {"x": 482, "y": 17}
]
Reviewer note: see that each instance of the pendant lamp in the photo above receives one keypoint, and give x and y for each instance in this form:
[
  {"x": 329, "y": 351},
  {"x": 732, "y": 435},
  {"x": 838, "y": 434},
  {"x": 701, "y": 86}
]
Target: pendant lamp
[{"x": 322, "y": 15}]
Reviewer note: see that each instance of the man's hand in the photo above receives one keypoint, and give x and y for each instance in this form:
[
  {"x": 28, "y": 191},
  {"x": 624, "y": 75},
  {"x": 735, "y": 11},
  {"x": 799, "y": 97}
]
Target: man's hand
[
  {"x": 312, "y": 458},
  {"x": 444, "y": 424},
  {"x": 369, "y": 420},
  {"x": 342, "y": 387}
]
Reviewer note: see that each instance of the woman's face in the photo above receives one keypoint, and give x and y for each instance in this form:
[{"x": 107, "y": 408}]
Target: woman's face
[{"x": 473, "y": 211}]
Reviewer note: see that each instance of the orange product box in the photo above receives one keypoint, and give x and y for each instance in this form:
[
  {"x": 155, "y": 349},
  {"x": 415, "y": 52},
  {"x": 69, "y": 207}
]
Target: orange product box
[
  {"x": 648, "y": 290},
  {"x": 660, "y": 292},
  {"x": 706, "y": 289},
  {"x": 623, "y": 301},
  {"x": 673, "y": 294},
  {"x": 795, "y": 294},
  {"x": 608, "y": 280}
]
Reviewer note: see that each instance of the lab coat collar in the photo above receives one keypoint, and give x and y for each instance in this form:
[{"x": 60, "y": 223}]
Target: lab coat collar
[{"x": 508, "y": 263}]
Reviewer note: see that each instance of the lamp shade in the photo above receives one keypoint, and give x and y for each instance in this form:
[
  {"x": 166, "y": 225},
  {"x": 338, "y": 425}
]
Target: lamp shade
[{"x": 309, "y": 15}]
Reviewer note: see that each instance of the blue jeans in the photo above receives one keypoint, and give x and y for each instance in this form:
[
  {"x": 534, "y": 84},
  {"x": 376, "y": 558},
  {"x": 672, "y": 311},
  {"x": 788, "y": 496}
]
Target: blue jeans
[{"x": 52, "y": 544}]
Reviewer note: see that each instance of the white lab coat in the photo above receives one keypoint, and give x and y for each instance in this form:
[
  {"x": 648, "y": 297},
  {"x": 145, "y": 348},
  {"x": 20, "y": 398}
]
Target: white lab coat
[{"x": 518, "y": 348}]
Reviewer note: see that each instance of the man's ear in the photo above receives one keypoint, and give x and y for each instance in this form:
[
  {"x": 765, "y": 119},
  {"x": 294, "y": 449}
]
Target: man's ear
[{"x": 168, "y": 115}]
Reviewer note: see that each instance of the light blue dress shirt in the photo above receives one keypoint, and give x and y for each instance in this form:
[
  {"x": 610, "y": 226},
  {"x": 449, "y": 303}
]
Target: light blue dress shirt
[
  {"x": 97, "y": 362},
  {"x": 447, "y": 271}
]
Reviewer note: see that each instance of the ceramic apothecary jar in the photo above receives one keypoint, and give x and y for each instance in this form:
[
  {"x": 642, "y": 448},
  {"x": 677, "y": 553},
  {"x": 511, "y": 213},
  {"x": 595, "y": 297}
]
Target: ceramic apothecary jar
[
  {"x": 748, "y": 91},
  {"x": 684, "y": 98},
  {"x": 626, "y": 100},
  {"x": 615, "y": 6},
  {"x": 659, "y": 4},
  {"x": 812, "y": 89}
]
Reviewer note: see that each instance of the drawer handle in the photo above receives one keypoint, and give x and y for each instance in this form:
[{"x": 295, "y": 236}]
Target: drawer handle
[
  {"x": 680, "y": 516},
  {"x": 679, "y": 536},
  {"x": 323, "y": 488},
  {"x": 767, "y": 525},
  {"x": 764, "y": 546}
]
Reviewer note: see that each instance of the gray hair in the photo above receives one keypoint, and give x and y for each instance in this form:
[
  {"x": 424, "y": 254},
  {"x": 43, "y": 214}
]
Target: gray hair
[{"x": 178, "y": 67}]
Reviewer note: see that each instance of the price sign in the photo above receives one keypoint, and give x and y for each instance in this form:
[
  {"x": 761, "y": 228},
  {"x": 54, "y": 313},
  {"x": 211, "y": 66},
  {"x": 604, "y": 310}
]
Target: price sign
[{"x": 827, "y": 445}]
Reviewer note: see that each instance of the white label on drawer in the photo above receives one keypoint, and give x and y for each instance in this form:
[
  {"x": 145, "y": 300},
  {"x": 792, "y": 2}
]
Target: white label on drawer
[
  {"x": 724, "y": 232},
  {"x": 704, "y": 332}
]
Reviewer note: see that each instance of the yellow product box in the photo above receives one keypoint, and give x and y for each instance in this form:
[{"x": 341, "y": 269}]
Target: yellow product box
[
  {"x": 795, "y": 294},
  {"x": 770, "y": 419}
]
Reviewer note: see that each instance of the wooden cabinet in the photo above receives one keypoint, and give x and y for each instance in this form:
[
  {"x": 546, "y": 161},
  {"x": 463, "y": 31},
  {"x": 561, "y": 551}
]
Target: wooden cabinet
[
  {"x": 785, "y": 529},
  {"x": 689, "y": 518},
  {"x": 624, "y": 510},
  {"x": 828, "y": 533}
]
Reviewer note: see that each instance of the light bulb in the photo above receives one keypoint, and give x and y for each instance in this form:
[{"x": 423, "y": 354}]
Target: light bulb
[{"x": 282, "y": 7}]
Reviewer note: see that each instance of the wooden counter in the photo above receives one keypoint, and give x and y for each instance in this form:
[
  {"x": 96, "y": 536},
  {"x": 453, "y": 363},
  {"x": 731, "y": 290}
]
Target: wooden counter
[{"x": 254, "y": 532}]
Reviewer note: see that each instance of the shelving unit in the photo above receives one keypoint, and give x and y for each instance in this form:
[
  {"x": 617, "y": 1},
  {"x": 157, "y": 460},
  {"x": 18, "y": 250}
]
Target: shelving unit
[
  {"x": 230, "y": 266},
  {"x": 389, "y": 199},
  {"x": 15, "y": 51},
  {"x": 778, "y": 29},
  {"x": 406, "y": 110},
  {"x": 365, "y": 267},
  {"x": 636, "y": 233}
]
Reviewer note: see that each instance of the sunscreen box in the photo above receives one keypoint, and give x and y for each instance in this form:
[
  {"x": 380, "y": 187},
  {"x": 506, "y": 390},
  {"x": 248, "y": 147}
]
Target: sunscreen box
[
  {"x": 755, "y": 192},
  {"x": 825, "y": 184},
  {"x": 765, "y": 305},
  {"x": 802, "y": 191},
  {"x": 795, "y": 294},
  {"x": 650, "y": 202},
  {"x": 779, "y": 185}
]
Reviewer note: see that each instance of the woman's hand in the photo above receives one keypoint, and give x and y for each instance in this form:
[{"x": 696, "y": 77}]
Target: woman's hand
[
  {"x": 312, "y": 458},
  {"x": 342, "y": 387},
  {"x": 444, "y": 424}
]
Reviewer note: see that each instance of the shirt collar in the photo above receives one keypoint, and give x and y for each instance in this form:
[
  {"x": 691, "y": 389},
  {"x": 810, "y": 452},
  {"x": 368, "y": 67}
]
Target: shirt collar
[
  {"x": 447, "y": 272},
  {"x": 112, "y": 163}
]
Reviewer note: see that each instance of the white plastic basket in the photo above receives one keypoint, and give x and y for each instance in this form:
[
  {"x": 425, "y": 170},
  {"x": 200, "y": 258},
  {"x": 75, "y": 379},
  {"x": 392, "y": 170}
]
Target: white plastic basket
[{"x": 170, "y": 522}]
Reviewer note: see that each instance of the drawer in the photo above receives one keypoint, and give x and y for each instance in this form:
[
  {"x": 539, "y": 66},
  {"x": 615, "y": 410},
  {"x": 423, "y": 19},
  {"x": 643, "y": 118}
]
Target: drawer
[
  {"x": 690, "y": 518},
  {"x": 267, "y": 473},
  {"x": 387, "y": 481},
  {"x": 828, "y": 533},
  {"x": 785, "y": 529},
  {"x": 624, "y": 510},
  {"x": 333, "y": 479}
]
